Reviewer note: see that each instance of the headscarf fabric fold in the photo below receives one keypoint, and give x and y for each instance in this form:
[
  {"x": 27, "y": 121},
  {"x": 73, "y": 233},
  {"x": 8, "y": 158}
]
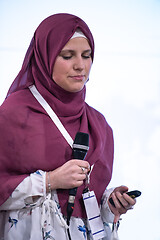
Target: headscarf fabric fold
[{"x": 29, "y": 140}]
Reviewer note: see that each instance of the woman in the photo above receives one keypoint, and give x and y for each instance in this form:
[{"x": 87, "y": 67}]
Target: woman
[{"x": 37, "y": 168}]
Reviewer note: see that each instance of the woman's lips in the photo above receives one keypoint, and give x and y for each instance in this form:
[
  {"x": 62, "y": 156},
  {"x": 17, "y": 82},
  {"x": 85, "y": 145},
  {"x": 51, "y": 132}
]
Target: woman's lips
[{"x": 78, "y": 77}]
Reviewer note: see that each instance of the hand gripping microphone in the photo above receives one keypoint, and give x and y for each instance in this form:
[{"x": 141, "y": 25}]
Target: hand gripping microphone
[{"x": 80, "y": 148}]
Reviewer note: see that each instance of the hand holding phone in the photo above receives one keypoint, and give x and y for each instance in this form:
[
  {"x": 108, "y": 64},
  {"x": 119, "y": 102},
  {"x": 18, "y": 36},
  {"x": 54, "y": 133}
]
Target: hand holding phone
[{"x": 132, "y": 194}]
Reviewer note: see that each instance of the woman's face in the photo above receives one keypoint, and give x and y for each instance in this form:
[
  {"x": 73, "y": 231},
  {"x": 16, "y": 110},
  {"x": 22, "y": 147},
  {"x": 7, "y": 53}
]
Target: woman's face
[{"x": 73, "y": 64}]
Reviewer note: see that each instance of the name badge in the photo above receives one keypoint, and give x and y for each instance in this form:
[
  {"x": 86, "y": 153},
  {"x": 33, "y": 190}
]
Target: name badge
[{"x": 93, "y": 215}]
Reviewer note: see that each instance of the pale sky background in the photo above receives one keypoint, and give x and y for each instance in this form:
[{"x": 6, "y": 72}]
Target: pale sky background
[{"x": 124, "y": 85}]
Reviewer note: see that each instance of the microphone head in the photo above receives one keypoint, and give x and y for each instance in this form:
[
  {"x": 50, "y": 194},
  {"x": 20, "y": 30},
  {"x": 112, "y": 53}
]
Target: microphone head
[{"x": 82, "y": 139}]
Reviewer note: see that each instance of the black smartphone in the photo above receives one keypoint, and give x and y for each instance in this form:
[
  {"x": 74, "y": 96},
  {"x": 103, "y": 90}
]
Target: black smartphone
[{"x": 132, "y": 194}]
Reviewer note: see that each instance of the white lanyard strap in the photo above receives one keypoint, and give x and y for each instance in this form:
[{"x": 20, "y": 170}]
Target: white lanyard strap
[{"x": 52, "y": 114}]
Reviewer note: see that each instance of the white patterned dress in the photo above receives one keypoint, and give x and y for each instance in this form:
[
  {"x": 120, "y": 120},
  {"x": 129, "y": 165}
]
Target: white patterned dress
[{"x": 31, "y": 214}]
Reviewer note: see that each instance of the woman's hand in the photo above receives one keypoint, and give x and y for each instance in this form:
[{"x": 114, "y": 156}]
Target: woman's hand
[
  {"x": 69, "y": 175},
  {"x": 122, "y": 202}
]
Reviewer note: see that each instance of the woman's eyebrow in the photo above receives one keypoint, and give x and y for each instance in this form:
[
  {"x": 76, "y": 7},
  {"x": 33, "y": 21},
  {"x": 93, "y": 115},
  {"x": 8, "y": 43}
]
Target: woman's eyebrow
[
  {"x": 87, "y": 51},
  {"x": 73, "y": 51},
  {"x": 67, "y": 51}
]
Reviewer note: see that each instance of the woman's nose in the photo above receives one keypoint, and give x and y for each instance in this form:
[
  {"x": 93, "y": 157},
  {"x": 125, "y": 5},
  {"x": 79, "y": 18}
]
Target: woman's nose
[{"x": 78, "y": 64}]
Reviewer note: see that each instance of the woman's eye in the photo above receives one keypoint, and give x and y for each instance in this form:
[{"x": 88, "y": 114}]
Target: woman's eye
[
  {"x": 86, "y": 56},
  {"x": 66, "y": 57}
]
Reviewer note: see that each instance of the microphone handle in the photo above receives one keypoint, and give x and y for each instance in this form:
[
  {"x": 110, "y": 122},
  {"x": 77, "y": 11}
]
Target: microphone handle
[
  {"x": 73, "y": 191},
  {"x": 77, "y": 154}
]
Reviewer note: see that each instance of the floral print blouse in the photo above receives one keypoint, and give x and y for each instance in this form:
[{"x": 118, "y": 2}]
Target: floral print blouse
[{"x": 32, "y": 214}]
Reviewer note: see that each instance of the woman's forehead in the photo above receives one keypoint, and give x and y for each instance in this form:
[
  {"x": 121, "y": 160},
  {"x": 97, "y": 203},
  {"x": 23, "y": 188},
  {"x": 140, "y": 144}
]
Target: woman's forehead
[{"x": 77, "y": 43}]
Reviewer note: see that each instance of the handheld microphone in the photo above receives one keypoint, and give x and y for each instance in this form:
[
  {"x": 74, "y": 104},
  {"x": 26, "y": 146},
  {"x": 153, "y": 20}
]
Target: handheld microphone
[{"x": 80, "y": 148}]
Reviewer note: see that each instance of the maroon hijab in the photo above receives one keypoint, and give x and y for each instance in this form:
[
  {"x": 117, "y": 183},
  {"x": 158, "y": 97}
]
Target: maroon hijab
[{"x": 29, "y": 140}]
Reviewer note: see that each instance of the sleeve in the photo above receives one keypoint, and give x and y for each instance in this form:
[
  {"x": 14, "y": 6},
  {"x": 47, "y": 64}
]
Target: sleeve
[
  {"x": 106, "y": 213},
  {"x": 31, "y": 191}
]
